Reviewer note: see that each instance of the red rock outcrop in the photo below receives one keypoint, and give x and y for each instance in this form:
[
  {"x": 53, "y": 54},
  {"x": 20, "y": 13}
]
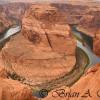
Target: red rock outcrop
[
  {"x": 13, "y": 90},
  {"x": 44, "y": 50},
  {"x": 91, "y": 26},
  {"x": 88, "y": 20},
  {"x": 44, "y": 21},
  {"x": 11, "y": 12},
  {"x": 15, "y": 10},
  {"x": 96, "y": 46},
  {"x": 87, "y": 88},
  {"x": 4, "y": 22}
]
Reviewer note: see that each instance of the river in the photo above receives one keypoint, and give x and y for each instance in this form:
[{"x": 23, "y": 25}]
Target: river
[
  {"x": 93, "y": 59},
  {"x": 10, "y": 32},
  {"x": 85, "y": 58}
]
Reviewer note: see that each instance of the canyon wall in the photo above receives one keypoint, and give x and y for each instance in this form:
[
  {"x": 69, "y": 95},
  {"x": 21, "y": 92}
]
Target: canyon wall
[{"x": 45, "y": 48}]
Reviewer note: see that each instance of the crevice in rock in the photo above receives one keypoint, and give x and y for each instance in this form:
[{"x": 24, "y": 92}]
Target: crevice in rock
[{"x": 48, "y": 40}]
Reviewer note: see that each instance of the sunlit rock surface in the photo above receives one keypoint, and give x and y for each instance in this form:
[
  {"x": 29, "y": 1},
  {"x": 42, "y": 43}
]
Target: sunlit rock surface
[
  {"x": 97, "y": 43},
  {"x": 10, "y": 14},
  {"x": 88, "y": 88},
  {"x": 44, "y": 50},
  {"x": 13, "y": 90},
  {"x": 4, "y": 22}
]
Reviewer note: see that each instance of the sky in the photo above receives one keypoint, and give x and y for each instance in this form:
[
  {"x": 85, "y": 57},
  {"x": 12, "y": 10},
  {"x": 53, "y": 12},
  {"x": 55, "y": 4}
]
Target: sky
[{"x": 51, "y": 1}]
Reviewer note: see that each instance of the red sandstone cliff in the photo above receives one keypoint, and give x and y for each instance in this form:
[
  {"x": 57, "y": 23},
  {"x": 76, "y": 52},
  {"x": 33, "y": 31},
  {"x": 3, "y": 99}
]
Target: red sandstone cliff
[
  {"x": 87, "y": 88},
  {"x": 10, "y": 12},
  {"x": 42, "y": 45},
  {"x": 45, "y": 50}
]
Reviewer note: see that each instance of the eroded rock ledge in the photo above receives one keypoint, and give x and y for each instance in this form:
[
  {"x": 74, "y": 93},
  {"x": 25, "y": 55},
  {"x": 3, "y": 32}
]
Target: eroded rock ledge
[
  {"x": 13, "y": 90},
  {"x": 45, "y": 48}
]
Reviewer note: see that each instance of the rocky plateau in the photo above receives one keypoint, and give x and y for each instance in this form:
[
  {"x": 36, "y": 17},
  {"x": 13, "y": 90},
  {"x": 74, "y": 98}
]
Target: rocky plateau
[{"x": 45, "y": 48}]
